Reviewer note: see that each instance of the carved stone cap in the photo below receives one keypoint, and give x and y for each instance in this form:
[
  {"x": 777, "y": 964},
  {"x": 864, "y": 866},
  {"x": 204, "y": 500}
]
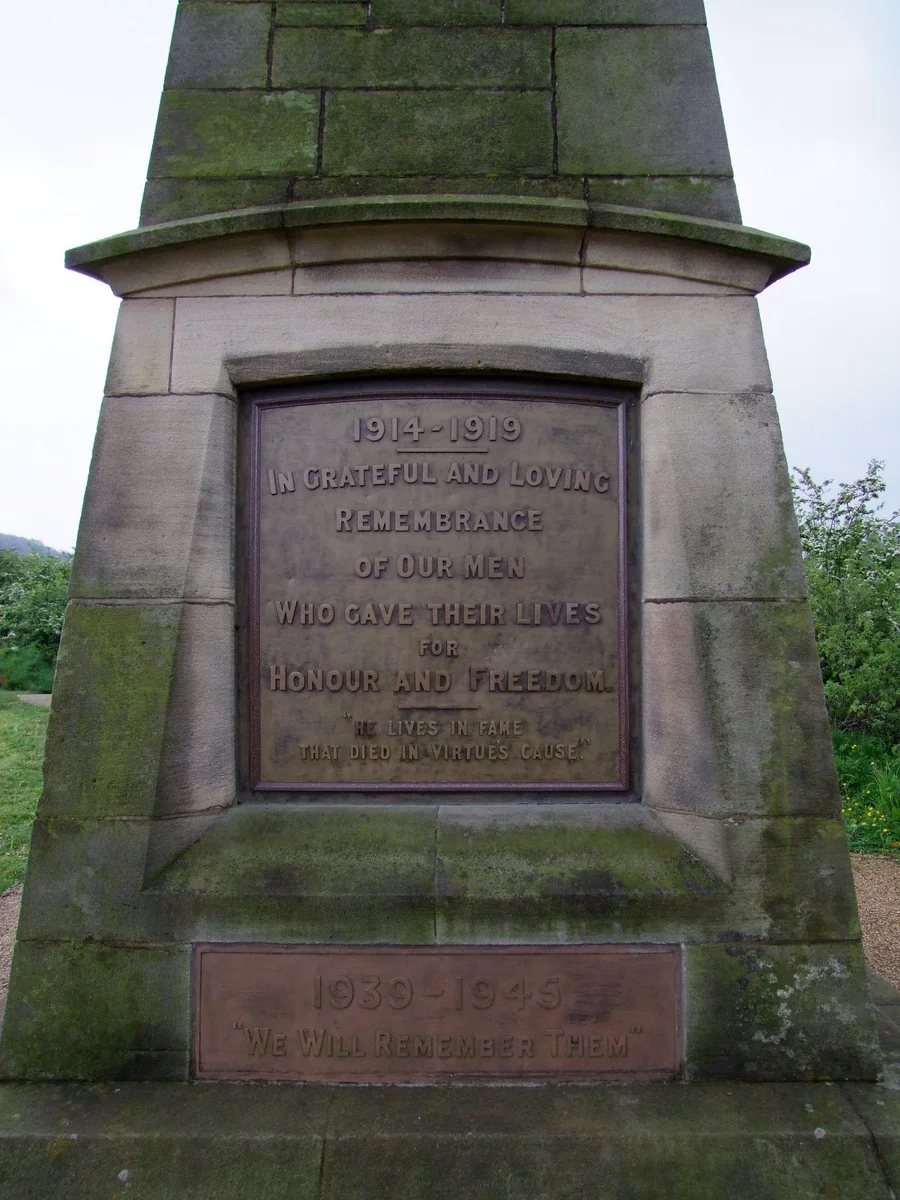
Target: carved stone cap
[{"x": 570, "y": 226}]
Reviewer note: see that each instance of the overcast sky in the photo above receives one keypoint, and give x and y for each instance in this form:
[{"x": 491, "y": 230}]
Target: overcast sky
[{"x": 812, "y": 104}]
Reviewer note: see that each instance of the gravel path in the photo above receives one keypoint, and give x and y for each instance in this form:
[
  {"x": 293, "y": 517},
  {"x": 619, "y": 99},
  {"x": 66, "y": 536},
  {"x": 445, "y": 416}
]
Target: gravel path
[
  {"x": 9, "y": 919},
  {"x": 877, "y": 888},
  {"x": 878, "y": 891}
]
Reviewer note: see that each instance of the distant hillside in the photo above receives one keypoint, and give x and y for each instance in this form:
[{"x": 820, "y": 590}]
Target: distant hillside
[{"x": 9, "y": 541}]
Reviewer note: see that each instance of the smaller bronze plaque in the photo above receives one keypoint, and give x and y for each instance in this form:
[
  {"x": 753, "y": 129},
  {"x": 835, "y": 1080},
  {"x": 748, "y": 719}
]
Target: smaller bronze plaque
[{"x": 422, "y": 1014}]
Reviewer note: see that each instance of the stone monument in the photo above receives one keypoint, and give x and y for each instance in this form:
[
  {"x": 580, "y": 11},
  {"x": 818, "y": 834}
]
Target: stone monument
[{"x": 438, "y": 700}]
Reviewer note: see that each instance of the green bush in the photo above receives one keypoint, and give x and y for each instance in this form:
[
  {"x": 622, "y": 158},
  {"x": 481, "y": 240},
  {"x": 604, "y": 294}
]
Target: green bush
[
  {"x": 34, "y": 591},
  {"x": 26, "y": 670},
  {"x": 852, "y": 560}
]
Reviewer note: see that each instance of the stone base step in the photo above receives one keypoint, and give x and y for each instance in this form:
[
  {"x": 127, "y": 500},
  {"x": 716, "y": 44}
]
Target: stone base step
[{"x": 641, "y": 1142}]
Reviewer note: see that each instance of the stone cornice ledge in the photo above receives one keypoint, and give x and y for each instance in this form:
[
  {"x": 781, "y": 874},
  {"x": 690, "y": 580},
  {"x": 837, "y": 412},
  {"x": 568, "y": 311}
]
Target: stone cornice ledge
[{"x": 785, "y": 255}]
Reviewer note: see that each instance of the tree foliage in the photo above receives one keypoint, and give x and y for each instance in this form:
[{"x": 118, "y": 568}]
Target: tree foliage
[
  {"x": 34, "y": 589},
  {"x": 852, "y": 558}
]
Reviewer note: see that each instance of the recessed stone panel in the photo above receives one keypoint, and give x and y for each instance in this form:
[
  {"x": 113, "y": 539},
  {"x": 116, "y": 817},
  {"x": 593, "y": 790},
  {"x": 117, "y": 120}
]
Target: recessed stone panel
[{"x": 382, "y": 1015}]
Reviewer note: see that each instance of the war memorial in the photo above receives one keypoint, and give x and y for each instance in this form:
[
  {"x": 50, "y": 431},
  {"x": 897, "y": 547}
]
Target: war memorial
[{"x": 439, "y": 798}]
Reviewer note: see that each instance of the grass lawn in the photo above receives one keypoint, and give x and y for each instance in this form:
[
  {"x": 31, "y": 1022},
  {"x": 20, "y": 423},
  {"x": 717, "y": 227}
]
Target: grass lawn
[{"x": 23, "y": 728}]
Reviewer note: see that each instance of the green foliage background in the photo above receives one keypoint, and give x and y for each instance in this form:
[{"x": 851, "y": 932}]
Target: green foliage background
[
  {"x": 34, "y": 589},
  {"x": 852, "y": 558}
]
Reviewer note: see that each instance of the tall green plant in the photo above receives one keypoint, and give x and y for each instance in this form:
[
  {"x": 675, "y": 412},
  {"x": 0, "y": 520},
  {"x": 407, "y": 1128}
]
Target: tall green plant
[{"x": 852, "y": 558}]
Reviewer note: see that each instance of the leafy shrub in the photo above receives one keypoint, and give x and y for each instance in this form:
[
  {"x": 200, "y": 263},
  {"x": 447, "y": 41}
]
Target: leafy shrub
[
  {"x": 34, "y": 590},
  {"x": 26, "y": 670},
  {"x": 852, "y": 560}
]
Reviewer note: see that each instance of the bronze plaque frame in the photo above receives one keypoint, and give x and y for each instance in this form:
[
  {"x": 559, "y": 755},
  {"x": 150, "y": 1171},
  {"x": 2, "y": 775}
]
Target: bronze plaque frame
[
  {"x": 431, "y": 1014},
  {"x": 506, "y": 392}
]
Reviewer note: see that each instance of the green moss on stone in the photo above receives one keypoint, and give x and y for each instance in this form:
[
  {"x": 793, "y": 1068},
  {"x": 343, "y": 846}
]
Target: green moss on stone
[
  {"x": 511, "y": 861},
  {"x": 320, "y": 14},
  {"x": 760, "y": 658},
  {"x": 412, "y": 58},
  {"x": 176, "y": 199},
  {"x": 508, "y": 881},
  {"x": 806, "y": 887},
  {"x": 778, "y": 1012},
  {"x": 605, "y": 12},
  {"x": 436, "y": 12},
  {"x": 89, "y": 1011},
  {"x": 231, "y": 134},
  {"x": 278, "y": 850},
  {"x": 111, "y": 695},
  {"x": 425, "y": 133}
]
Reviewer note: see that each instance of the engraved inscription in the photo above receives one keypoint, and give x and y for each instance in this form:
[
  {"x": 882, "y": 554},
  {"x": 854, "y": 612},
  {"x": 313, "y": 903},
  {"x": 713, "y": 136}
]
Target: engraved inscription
[
  {"x": 442, "y": 568},
  {"x": 417, "y": 1013}
]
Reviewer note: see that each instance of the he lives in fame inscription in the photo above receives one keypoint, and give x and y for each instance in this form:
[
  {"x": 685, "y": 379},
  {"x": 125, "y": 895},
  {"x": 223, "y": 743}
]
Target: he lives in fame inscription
[
  {"x": 419, "y": 1013},
  {"x": 439, "y": 588}
]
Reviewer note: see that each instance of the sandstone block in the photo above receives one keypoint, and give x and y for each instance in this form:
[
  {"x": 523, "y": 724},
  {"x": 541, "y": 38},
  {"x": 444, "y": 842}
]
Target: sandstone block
[
  {"x": 734, "y": 718},
  {"x": 141, "y": 354},
  {"x": 158, "y": 518},
  {"x": 718, "y": 519}
]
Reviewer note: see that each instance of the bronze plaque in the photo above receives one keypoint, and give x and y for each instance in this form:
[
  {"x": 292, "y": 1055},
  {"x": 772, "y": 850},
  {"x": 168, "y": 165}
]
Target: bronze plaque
[
  {"x": 438, "y": 575},
  {"x": 419, "y": 1014}
]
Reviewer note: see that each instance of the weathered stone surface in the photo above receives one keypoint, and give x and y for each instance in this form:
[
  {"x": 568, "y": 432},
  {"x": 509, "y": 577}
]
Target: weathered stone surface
[
  {"x": 445, "y": 240},
  {"x": 197, "y": 766},
  {"x": 436, "y": 12},
  {"x": 220, "y": 135},
  {"x": 325, "y": 14},
  {"x": 219, "y": 45},
  {"x": 660, "y": 331},
  {"x": 709, "y": 196},
  {"x": 605, "y": 12},
  {"x": 93, "y": 1011},
  {"x": 630, "y": 84},
  {"x": 734, "y": 716},
  {"x": 86, "y": 879},
  {"x": 509, "y": 872},
  {"x": 565, "y": 1143},
  {"x": 681, "y": 259},
  {"x": 205, "y": 259},
  {"x": 718, "y": 516},
  {"x": 412, "y": 58},
  {"x": 143, "y": 721},
  {"x": 259, "y": 283},
  {"x": 639, "y": 102},
  {"x": 168, "y": 199},
  {"x": 158, "y": 512},
  {"x": 435, "y": 133},
  {"x": 112, "y": 693},
  {"x": 141, "y": 356},
  {"x": 778, "y": 1011},
  {"x": 788, "y": 879},
  {"x": 435, "y": 277},
  {"x": 325, "y": 850},
  {"x": 535, "y": 202},
  {"x": 879, "y": 1108}
]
